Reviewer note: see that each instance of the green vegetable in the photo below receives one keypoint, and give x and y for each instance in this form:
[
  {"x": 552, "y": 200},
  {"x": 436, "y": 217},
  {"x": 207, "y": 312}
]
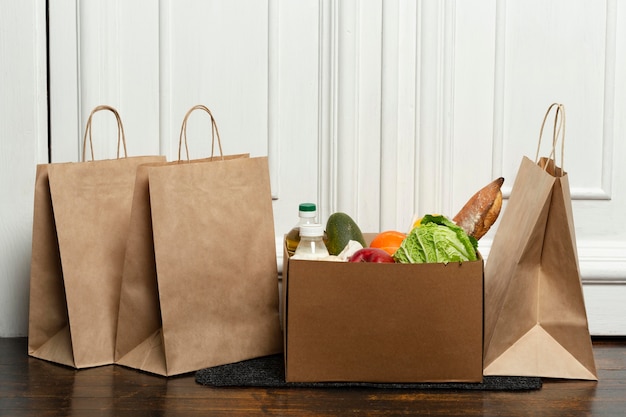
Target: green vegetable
[
  {"x": 340, "y": 229},
  {"x": 437, "y": 239}
]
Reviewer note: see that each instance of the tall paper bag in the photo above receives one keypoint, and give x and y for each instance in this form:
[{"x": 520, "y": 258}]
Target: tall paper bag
[
  {"x": 535, "y": 317},
  {"x": 80, "y": 224},
  {"x": 200, "y": 278}
]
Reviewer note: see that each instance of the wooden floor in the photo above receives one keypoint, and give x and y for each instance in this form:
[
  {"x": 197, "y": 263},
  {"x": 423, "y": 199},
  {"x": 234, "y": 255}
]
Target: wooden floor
[{"x": 31, "y": 387}]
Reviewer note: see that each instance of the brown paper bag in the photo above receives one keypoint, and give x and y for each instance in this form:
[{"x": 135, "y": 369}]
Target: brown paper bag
[
  {"x": 80, "y": 224},
  {"x": 200, "y": 279},
  {"x": 535, "y": 317}
]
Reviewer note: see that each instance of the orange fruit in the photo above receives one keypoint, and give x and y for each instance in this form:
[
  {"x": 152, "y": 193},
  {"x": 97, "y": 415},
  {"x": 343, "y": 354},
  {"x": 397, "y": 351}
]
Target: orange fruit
[{"x": 389, "y": 241}]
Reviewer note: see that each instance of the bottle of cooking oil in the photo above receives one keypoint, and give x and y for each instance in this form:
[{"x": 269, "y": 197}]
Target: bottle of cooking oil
[
  {"x": 311, "y": 246},
  {"x": 308, "y": 215}
]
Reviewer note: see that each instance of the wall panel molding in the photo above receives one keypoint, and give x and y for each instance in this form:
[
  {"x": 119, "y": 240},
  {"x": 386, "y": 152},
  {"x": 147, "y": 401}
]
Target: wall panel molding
[
  {"x": 399, "y": 108},
  {"x": 64, "y": 76},
  {"x": 602, "y": 262},
  {"x": 273, "y": 94},
  {"x": 434, "y": 168},
  {"x": 357, "y": 141},
  {"x": 608, "y": 131},
  {"x": 166, "y": 114},
  {"x": 327, "y": 118}
]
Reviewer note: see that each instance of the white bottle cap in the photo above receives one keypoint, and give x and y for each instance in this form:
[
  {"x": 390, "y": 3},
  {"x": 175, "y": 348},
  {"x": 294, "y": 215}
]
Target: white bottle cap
[
  {"x": 311, "y": 230},
  {"x": 307, "y": 210}
]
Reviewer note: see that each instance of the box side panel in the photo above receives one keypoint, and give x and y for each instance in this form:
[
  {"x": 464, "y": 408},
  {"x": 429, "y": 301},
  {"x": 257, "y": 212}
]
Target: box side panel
[
  {"x": 384, "y": 322},
  {"x": 283, "y": 298}
]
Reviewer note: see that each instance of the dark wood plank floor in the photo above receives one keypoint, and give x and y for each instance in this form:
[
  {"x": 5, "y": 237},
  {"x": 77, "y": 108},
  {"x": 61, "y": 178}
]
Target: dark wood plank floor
[{"x": 31, "y": 387}]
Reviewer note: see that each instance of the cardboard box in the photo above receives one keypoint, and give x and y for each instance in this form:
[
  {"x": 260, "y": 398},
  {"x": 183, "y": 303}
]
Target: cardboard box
[{"x": 370, "y": 322}]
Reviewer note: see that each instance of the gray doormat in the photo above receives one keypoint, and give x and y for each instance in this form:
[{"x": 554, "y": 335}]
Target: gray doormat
[{"x": 269, "y": 372}]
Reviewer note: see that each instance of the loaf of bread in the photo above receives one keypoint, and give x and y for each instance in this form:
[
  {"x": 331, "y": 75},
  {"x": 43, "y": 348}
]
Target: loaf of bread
[{"x": 482, "y": 210}]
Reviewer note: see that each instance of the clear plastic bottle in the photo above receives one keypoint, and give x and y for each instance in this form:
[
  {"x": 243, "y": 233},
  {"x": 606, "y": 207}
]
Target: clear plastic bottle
[
  {"x": 308, "y": 215},
  {"x": 311, "y": 244}
]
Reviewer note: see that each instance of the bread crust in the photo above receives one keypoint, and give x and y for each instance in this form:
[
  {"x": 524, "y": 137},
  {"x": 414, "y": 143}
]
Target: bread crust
[{"x": 482, "y": 210}]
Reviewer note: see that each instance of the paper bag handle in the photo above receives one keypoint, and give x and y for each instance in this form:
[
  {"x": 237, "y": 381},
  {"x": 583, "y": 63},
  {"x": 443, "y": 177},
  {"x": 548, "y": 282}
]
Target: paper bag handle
[
  {"x": 557, "y": 131},
  {"x": 121, "y": 137},
  {"x": 214, "y": 132}
]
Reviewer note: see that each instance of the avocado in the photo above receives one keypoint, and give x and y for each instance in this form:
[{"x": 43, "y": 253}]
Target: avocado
[{"x": 340, "y": 229}]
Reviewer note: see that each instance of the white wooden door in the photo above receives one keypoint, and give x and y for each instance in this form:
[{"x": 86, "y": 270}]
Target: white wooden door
[
  {"x": 381, "y": 109},
  {"x": 23, "y": 144}
]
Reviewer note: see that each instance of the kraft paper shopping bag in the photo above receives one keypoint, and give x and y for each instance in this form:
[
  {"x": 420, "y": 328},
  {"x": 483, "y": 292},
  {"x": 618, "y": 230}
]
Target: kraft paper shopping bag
[
  {"x": 80, "y": 225},
  {"x": 535, "y": 317},
  {"x": 200, "y": 279}
]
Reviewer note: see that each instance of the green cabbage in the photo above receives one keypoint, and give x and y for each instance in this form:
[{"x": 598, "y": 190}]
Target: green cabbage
[{"x": 437, "y": 239}]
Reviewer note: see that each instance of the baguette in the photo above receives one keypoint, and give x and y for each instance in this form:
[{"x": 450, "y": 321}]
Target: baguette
[{"x": 482, "y": 210}]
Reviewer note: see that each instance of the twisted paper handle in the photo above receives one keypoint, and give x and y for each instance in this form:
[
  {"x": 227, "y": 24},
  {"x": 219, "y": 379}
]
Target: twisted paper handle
[
  {"x": 557, "y": 131},
  {"x": 121, "y": 137},
  {"x": 214, "y": 132}
]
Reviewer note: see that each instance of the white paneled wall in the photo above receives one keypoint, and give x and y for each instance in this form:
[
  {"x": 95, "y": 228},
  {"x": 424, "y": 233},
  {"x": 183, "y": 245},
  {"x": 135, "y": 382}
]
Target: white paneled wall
[
  {"x": 381, "y": 109},
  {"x": 23, "y": 144}
]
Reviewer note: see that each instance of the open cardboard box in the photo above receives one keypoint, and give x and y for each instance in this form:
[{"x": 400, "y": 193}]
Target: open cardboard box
[{"x": 370, "y": 322}]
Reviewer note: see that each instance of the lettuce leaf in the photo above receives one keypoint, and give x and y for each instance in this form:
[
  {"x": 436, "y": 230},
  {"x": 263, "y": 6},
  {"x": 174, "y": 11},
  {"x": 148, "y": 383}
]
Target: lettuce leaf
[{"x": 437, "y": 239}]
